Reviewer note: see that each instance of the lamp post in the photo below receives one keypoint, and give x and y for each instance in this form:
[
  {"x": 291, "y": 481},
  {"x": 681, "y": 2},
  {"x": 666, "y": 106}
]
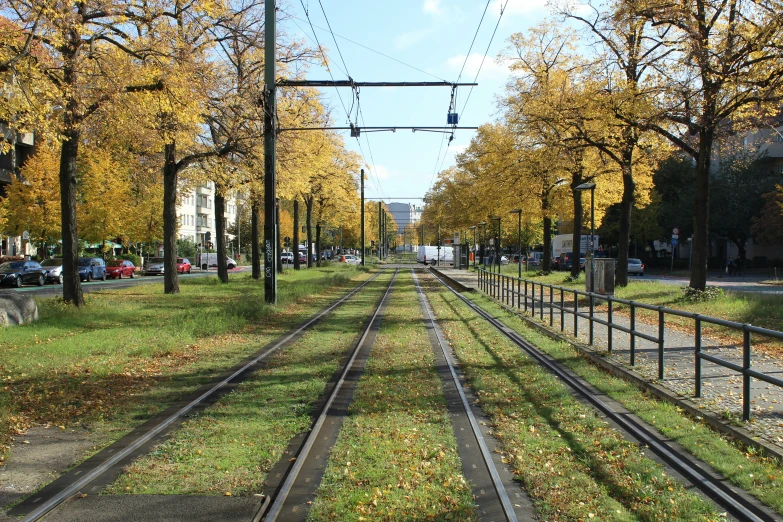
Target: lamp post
[
  {"x": 483, "y": 250},
  {"x": 591, "y": 188},
  {"x": 497, "y": 243},
  {"x": 518, "y": 212},
  {"x": 473, "y": 228}
]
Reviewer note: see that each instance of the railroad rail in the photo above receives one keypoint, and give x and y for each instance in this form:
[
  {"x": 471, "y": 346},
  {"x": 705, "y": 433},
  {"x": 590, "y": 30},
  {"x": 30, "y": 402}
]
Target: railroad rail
[
  {"x": 493, "y": 486},
  {"x": 290, "y": 497},
  {"x": 99, "y": 470},
  {"x": 737, "y": 503}
]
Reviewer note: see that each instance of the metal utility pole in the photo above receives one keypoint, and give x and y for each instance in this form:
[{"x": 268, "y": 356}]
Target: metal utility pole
[
  {"x": 438, "y": 245},
  {"x": 380, "y": 231},
  {"x": 295, "y": 248},
  {"x": 362, "y": 176},
  {"x": 270, "y": 177}
]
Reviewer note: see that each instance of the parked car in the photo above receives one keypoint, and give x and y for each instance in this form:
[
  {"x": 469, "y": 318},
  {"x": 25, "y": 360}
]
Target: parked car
[
  {"x": 17, "y": 273},
  {"x": 287, "y": 257},
  {"x": 635, "y": 266},
  {"x": 350, "y": 259},
  {"x": 536, "y": 258},
  {"x": 119, "y": 268},
  {"x": 183, "y": 265},
  {"x": 91, "y": 268},
  {"x": 54, "y": 270},
  {"x": 154, "y": 266},
  {"x": 207, "y": 260},
  {"x": 302, "y": 257}
]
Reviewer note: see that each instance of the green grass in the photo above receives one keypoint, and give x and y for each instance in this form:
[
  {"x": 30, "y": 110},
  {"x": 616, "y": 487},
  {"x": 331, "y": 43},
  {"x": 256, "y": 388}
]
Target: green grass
[
  {"x": 129, "y": 353},
  {"x": 231, "y": 446},
  {"x": 757, "y": 475},
  {"x": 396, "y": 456},
  {"x": 572, "y": 463}
]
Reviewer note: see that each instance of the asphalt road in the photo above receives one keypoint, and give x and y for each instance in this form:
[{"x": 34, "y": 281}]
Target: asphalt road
[{"x": 51, "y": 290}]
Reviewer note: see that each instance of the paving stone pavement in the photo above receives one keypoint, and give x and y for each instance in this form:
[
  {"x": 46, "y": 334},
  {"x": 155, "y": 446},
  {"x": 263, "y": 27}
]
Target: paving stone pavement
[{"x": 721, "y": 387}]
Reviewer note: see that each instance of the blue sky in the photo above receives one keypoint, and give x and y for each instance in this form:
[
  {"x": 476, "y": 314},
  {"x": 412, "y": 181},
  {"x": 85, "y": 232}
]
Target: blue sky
[{"x": 431, "y": 35}]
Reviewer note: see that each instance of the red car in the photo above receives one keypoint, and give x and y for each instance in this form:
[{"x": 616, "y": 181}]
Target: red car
[
  {"x": 183, "y": 265},
  {"x": 119, "y": 268}
]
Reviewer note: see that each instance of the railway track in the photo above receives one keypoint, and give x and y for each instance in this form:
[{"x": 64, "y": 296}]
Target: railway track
[
  {"x": 497, "y": 496},
  {"x": 738, "y": 504},
  {"x": 297, "y": 476},
  {"x": 98, "y": 471}
]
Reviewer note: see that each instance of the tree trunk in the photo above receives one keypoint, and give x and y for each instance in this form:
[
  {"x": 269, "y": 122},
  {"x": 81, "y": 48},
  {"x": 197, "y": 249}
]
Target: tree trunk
[
  {"x": 72, "y": 286},
  {"x": 309, "y": 224},
  {"x": 277, "y": 238},
  {"x": 296, "y": 235},
  {"x": 255, "y": 239},
  {"x": 576, "y": 237},
  {"x": 701, "y": 212},
  {"x": 318, "y": 244},
  {"x": 170, "y": 171},
  {"x": 220, "y": 233},
  {"x": 626, "y": 207}
]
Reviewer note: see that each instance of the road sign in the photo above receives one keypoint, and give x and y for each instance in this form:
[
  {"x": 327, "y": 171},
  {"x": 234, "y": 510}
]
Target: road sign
[
  {"x": 675, "y": 241},
  {"x": 675, "y": 236},
  {"x": 675, "y": 231}
]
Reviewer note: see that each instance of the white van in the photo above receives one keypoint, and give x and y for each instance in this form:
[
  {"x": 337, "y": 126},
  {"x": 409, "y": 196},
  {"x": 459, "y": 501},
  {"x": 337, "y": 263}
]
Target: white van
[
  {"x": 207, "y": 260},
  {"x": 429, "y": 254}
]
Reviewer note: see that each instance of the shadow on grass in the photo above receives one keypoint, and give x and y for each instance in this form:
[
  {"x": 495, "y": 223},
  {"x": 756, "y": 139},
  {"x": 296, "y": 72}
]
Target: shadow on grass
[{"x": 536, "y": 403}]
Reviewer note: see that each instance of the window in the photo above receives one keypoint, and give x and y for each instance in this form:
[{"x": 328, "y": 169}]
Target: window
[{"x": 777, "y": 135}]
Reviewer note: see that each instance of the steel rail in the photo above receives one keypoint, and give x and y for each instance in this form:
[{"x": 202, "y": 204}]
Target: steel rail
[
  {"x": 505, "y": 501},
  {"x": 77, "y": 485},
  {"x": 285, "y": 489},
  {"x": 716, "y": 490}
]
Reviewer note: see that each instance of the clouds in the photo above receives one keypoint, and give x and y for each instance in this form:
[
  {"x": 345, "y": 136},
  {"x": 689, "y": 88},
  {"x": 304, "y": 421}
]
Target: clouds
[
  {"x": 432, "y": 7},
  {"x": 490, "y": 69}
]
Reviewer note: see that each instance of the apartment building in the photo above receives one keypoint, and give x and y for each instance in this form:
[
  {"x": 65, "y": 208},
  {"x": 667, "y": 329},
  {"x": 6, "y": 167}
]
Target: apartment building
[{"x": 196, "y": 213}]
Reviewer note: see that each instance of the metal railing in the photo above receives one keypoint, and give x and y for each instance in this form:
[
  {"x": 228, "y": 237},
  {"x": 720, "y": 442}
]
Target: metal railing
[{"x": 522, "y": 295}]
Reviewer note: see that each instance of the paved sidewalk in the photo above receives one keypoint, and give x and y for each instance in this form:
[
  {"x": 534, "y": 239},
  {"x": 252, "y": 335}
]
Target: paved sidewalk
[{"x": 721, "y": 387}]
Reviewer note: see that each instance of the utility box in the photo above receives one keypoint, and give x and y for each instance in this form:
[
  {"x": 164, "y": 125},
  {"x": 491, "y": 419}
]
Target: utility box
[
  {"x": 604, "y": 275},
  {"x": 458, "y": 256}
]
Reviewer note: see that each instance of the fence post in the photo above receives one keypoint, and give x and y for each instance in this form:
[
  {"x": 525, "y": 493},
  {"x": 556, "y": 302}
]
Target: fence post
[
  {"x": 745, "y": 377},
  {"x": 576, "y": 317},
  {"x": 697, "y": 355},
  {"x": 633, "y": 334},
  {"x": 592, "y": 311},
  {"x": 525, "y": 295},
  {"x": 533, "y": 299},
  {"x": 541, "y": 308},
  {"x": 609, "y": 327},
  {"x": 660, "y": 342},
  {"x": 551, "y": 310},
  {"x": 562, "y": 311}
]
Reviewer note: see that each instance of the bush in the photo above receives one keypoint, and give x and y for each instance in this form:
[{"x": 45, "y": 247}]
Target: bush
[
  {"x": 710, "y": 293},
  {"x": 133, "y": 258}
]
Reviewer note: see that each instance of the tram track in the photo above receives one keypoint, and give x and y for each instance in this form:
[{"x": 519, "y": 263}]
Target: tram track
[
  {"x": 298, "y": 474},
  {"x": 738, "y": 504},
  {"x": 99, "y": 470},
  {"x": 493, "y": 486}
]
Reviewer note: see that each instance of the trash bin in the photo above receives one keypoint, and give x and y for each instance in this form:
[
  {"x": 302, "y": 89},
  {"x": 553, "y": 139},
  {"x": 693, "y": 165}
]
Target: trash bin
[{"x": 604, "y": 275}]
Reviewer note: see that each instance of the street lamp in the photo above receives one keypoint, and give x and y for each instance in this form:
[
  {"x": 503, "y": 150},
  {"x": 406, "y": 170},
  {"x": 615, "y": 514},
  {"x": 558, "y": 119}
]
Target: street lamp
[
  {"x": 473, "y": 228},
  {"x": 497, "y": 246},
  {"x": 518, "y": 211},
  {"x": 591, "y": 188},
  {"x": 483, "y": 249}
]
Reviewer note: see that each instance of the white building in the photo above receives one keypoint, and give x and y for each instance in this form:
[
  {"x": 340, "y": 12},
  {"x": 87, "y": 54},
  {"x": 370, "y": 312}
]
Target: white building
[{"x": 196, "y": 213}]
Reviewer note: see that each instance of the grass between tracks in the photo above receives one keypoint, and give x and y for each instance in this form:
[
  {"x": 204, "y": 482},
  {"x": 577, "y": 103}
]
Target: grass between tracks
[
  {"x": 572, "y": 463},
  {"x": 396, "y": 456},
  {"x": 231, "y": 446},
  {"x": 759, "y": 476},
  {"x": 128, "y": 353}
]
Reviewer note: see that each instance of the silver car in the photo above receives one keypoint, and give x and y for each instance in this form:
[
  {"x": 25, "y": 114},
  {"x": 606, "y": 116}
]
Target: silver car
[
  {"x": 635, "y": 266},
  {"x": 154, "y": 266},
  {"x": 54, "y": 270}
]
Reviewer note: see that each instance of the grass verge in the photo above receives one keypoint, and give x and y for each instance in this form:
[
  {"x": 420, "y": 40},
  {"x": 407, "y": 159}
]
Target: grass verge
[
  {"x": 572, "y": 463},
  {"x": 129, "y": 353},
  {"x": 230, "y": 447},
  {"x": 396, "y": 456},
  {"x": 759, "y": 476}
]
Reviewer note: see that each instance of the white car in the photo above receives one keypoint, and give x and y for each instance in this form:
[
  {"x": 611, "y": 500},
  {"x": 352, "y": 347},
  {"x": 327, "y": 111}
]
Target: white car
[
  {"x": 287, "y": 257},
  {"x": 635, "y": 266},
  {"x": 351, "y": 260}
]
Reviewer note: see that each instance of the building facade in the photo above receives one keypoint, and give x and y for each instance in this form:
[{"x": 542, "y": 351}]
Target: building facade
[
  {"x": 22, "y": 146},
  {"x": 196, "y": 214}
]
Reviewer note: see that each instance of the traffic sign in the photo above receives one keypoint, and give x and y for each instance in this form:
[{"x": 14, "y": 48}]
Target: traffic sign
[
  {"x": 675, "y": 231},
  {"x": 675, "y": 241},
  {"x": 675, "y": 236}
]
